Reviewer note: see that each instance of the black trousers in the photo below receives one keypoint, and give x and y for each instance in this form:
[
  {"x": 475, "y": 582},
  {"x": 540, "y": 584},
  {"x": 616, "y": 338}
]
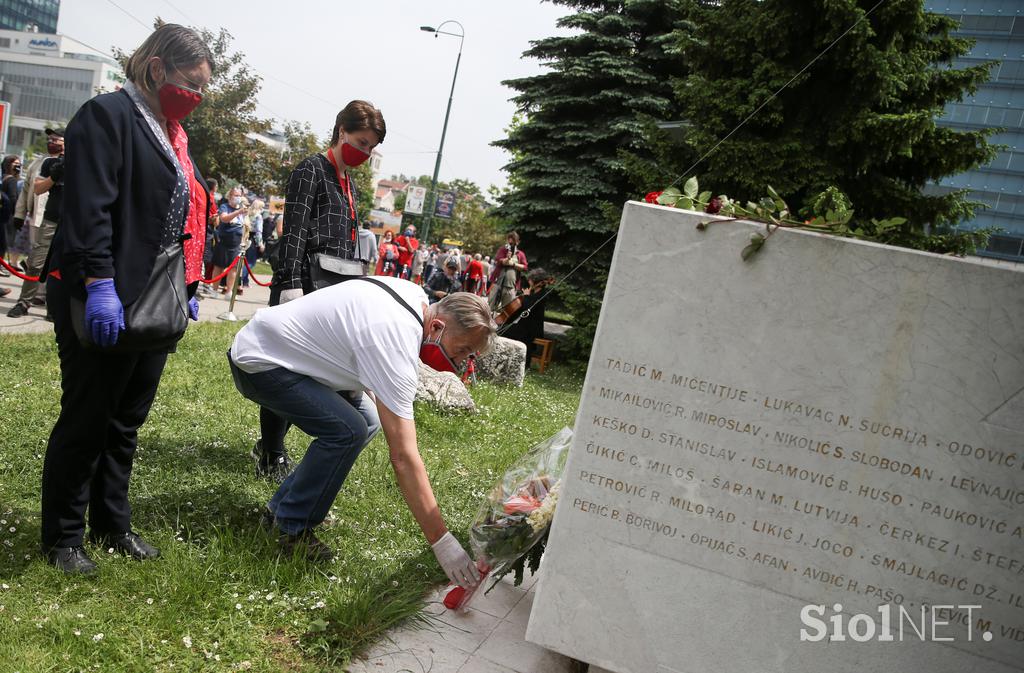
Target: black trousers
[{"x": 105, "y": 398}]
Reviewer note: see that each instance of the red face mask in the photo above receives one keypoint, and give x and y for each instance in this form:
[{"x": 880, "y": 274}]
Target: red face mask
[
  {"x": 177, "y": 102},
  {"x": 352, "y": 156},
  {"x": 433, "y": 355}
]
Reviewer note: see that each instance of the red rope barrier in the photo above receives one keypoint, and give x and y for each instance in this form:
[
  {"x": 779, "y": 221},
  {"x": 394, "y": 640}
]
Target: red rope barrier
[
  {"x": 31, "y": 279},
  {"x": 221, "y": 277},
  {"x": 253, "y": 275}
]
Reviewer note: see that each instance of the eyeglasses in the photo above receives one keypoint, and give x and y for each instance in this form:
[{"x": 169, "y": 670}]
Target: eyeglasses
[
  {"x": 189, "y": 84},
  {"x": 190, "y": 89}
]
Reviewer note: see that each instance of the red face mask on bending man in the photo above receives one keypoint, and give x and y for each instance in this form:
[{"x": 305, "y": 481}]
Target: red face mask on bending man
[{"x": 433, "y": 355}]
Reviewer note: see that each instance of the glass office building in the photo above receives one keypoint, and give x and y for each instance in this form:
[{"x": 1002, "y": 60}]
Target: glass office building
[
  {"x": 22, "y": 14},
  {"x": 997, "y": 26}
]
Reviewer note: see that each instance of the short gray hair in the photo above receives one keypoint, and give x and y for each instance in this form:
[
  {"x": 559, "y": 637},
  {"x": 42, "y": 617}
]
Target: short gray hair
[{"x": 469, "y": 313}]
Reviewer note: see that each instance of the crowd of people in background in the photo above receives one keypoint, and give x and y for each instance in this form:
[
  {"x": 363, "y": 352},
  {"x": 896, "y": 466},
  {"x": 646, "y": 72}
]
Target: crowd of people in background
[
  {"x": 240, "y": 223},
  {"x": 444, "y": 270}
]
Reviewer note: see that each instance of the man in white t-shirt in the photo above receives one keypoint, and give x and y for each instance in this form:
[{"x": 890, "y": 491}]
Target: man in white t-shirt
[{"x": 313, "y": 361}]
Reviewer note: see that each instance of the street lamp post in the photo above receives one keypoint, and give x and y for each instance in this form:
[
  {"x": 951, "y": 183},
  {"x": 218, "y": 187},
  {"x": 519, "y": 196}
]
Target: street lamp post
[{"x": 425, "y": 234}]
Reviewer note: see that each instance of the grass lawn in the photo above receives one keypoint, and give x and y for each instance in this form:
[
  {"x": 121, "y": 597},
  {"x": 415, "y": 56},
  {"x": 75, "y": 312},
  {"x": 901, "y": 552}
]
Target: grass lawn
[{"x": 221, "y": 598}]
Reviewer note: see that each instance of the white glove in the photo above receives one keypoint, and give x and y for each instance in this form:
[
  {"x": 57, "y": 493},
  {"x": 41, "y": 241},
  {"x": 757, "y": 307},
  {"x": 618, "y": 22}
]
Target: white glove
[
  {"x": 288, "y": 295},
  {"x": 455, "y": 562}
]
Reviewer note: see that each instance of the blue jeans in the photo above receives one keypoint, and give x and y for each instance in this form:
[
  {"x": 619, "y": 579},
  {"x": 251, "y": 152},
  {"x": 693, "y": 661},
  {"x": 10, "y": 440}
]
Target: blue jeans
[{"x": 341, "y": 424}]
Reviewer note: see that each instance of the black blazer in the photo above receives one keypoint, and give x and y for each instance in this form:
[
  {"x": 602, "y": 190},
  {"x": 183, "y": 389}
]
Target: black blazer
[{"x": 117, "y": 190}]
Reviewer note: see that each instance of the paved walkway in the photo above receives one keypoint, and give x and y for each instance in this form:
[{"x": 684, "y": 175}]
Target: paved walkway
[
  {"x": 253, "y": 298},
  {"x": 487, "y": 638}
]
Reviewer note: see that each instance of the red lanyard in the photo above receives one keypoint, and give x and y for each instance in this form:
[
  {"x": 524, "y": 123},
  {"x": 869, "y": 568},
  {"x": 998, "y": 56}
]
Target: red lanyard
[{"x": 346, "y": 186}]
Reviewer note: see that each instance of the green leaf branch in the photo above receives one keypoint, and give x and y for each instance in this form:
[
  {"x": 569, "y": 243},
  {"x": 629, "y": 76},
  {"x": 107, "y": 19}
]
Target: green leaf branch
[{"x": 830, "y": 212}]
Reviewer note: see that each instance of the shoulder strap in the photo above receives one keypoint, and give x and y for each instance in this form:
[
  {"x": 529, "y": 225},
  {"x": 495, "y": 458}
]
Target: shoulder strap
[{"x": 393, "y": 294}]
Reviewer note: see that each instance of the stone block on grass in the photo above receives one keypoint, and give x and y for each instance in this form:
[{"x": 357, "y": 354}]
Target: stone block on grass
[
  {"x": 505, "y": 363},
  {"x": 444, "y": 390}
]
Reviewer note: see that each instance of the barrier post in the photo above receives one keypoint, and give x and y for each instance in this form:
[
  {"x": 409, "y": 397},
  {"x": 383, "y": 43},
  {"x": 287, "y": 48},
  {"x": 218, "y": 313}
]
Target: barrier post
[{"x": 229, "y": 315}]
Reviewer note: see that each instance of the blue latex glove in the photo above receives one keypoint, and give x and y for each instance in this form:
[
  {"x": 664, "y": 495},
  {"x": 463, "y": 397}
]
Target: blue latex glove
[
  {"x": 193, "y": 308},
  {"x": 104, "y": 314}
]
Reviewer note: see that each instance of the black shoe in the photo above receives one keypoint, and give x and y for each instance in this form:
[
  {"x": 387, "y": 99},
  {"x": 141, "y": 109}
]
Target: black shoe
[
  {"x": 4, "y": 291},
  {"x": 48, "y": 317},
  {"x": 267, "y": 521},
  {"x": 270, "y": 466},
  {"x": 305, "y": 545},
  {"x": 19, "y": 310},
  {"x": 129, "y": 544},
  {"x": 71, "y": 560}
]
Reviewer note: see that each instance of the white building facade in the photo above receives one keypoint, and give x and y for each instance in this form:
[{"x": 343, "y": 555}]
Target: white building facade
[{"x": 46, "y": 78}]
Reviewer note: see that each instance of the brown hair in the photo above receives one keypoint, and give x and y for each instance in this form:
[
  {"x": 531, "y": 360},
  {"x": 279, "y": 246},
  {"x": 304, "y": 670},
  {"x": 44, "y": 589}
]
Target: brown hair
[
  {"x": 357, "y": 116},
  {"x": 8, "y": 162},
  {"x": 514, "y": 236},
  {"x": 177, "y": 46}
]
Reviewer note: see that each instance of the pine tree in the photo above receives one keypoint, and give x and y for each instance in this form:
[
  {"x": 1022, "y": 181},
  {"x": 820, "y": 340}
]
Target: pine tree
[
  {"x": 567, "y": 174},
  {"x": 861, "y": 117}
]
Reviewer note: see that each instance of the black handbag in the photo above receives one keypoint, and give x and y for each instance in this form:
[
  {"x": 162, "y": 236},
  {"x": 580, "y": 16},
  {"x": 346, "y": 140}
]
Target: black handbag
[
  {"x": 327, "y": 270},
  {"x": 158, "y": 318}
]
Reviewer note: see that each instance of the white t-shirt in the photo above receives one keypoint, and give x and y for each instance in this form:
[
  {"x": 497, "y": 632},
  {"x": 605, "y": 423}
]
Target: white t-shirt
[{"x": 350, "y": 336}]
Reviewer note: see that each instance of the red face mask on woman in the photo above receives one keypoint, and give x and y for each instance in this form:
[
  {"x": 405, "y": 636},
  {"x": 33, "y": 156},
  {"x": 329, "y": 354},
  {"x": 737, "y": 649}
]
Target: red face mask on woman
[
  {"x": 177, "y": 102},
  {"x": 433, "y": 355},
  {"x": 352, "y": 155}
]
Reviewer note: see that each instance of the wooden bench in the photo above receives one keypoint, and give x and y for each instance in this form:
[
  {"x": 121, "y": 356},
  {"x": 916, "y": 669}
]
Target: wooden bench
[{"x": 547, "y": 349}]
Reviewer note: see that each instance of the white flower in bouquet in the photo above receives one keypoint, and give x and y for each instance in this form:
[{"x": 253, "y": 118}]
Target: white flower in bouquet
[{"x": 540, "y": 518}]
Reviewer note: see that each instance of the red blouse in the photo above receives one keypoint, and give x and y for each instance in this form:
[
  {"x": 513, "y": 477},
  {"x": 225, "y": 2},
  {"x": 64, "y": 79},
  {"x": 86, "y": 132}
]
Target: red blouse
[{"x": 195, "y": 224}]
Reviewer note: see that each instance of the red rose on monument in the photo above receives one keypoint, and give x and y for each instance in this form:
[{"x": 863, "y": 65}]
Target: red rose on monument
[
  {"x": 652, "y": 197},
  {"x": 714, "y": 205}
]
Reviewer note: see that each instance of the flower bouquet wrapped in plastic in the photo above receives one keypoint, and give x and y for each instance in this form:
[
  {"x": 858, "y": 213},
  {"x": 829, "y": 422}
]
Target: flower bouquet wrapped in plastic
[{"x": 512, "y": 524}]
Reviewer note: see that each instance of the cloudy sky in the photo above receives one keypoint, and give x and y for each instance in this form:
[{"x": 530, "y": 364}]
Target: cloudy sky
[{"x": 316, "y": 55}]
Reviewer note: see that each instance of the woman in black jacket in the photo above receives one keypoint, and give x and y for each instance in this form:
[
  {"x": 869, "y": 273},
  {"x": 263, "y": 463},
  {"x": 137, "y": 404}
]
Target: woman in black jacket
[
  {"x": 130, "y": 189},
  {"x": 319, "y": 218}
]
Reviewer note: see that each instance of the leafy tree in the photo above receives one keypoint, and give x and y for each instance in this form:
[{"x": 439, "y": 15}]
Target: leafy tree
[
  {"x": 860, "y": 118},
  {"x": 300, "y": 142},
  {"x": 363, "y": 177},
  {"x": 400, "y": 200},
  {"x": 217, "y": 129},
  {"x": 567, "y": 178},
  {"x": 473, "y": 221}
]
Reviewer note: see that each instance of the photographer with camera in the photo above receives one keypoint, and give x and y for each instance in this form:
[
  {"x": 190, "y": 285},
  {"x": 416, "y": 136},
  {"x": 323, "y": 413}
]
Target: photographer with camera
[{"x": 506, "y": 274}]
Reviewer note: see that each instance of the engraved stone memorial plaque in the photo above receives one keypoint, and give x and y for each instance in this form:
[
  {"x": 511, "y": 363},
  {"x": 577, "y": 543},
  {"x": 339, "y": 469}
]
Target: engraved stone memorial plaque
[{"x": 809, "y": 461}]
